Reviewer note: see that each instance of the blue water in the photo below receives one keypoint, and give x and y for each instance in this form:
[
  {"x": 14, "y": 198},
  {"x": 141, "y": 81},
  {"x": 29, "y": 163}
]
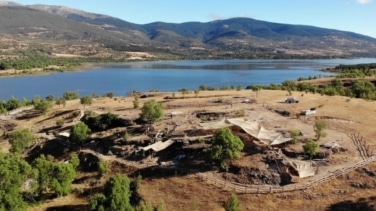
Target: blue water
[{"x": 166, "y": 76}]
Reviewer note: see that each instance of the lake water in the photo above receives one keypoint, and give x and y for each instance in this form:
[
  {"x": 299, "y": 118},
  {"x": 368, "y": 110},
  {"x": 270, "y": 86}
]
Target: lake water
[{"x": 166, "y": 76}]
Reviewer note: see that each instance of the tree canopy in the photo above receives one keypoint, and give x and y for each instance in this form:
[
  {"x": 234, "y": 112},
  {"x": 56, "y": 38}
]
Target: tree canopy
[
  {"x": 225, "y": 146},
  {"x": 71, "y": 95},
  {"x": 103, "y": 122},
  {"x": 79, "y": 133},
  {"x": 319, "y": 128},
  {"x": 87, "y": 100},
  {"x": 152, "y": 111},
  {"x": 54, "y": 176},
  {"x": 311, "y": 147},
  {"x": 20, "y": 140},
  {"x": 116, "y": 195},
  {"x": 14, "y": 171},
  {"x": 41, "y": 105},
  {"x": 232, "y": 204}
]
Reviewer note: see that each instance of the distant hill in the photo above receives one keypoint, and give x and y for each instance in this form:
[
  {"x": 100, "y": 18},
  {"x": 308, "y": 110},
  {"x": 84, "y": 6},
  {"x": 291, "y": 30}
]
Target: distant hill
[{"x": 232, "y": 38}]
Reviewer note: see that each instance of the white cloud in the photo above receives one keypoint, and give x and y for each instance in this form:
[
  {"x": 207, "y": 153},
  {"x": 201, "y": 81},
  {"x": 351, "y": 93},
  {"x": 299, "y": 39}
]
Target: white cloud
[
  {"x": 215, "y": 17},
  {"x": 364, "y": 1}
]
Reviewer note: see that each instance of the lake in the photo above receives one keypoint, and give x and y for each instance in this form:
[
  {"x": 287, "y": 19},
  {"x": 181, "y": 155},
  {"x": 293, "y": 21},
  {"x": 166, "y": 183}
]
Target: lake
[{"x": 166, "y": 76}]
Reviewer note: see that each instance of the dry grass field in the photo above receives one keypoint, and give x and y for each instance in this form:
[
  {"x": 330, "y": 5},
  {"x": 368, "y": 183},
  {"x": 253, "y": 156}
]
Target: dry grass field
[{"x": 345, "y": 116}]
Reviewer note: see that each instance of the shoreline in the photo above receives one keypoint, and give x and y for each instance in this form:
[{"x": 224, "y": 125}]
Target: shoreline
[{"x": 39, "y": 71}]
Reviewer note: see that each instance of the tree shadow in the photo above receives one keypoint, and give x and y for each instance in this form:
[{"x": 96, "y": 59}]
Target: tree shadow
[
  {"x": 361, "y": 204},
  {"x": 80, "y": 207}
]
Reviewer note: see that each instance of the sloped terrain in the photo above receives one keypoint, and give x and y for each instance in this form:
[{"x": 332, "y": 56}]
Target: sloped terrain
[{"x": 243, "y": 38}]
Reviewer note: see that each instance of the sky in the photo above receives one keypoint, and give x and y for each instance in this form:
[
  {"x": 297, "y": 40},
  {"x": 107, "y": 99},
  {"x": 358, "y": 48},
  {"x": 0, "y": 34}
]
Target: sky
[{"x": 357, "y": 16}]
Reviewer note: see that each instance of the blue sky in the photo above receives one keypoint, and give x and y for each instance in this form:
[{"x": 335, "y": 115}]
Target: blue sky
[{"x": 349, "y": 15}]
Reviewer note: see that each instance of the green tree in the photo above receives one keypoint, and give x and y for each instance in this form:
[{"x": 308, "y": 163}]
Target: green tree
[
  {"x": 232, "y": 204},
  {"x": 294, "y": 135},
  {"x": 56, "y": 177},
  {"x": 74, "y": 160},
  {"x": 97, "y": 203},
  {"x": 50, "y": 98},
  {"x": 87, "y": 100},
  {"x": 136, "y": 102},
  {"x": 64, "y": 174},
  {"x": 196, "y": 91},
  {"x": 152, "y": 111},
  {"x": 41, "y": 104},
  {"x": 45, "y": 171},
  {"x": 116, "y": 195},
  {"x": 71, "y": 95},
  {"x": 145, "y": 206},
  {"x": 20, "y": 140},
  {"x": 256, "y": 89},
  {"x": 79, "y": 133},
  {"x": 14, "y": 172},
  {"x": 13, "y": 103},
  {"x": 311, "y": 147},
  {"x": 319, "y": 128},
  {"x": 110, "y": 95},
  {"x": 102, "y": 167},
  {"x": 202, "y": 87},
  {"x": 118, "y": 191},
  {"x": 161, "y": 205},
  {"x": 184, "y": 91},
  {"x": 61, "y": 101},
  {"x": 225, "y": 146},
  {"x": 364, "y": 89}
]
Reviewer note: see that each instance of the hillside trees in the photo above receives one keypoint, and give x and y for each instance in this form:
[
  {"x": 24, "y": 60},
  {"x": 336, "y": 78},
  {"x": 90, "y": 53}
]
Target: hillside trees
[
  {"x": 41, "y": 105},
  {"x": 152, "y": 111},
  {"x": 20, "y": 140},
  {"x": 364, "y": 89},
  {"x": 319, "y": 128},
  {"x": 232, "y": 204},
  {"x": 57, "y": 177},
  {"x": 294, "y": 134},
  {"x": 225, "y": 146},
  {"x": 311, "y": 147},
  {"x": 79, "y": 133},
  {"x": 136, "y": 102},
  {"x": 103, "y": 122},
  {"x": 14, "y": 171},
  {"x": 71, "y": 95},
  {"x": 184, "y": 91},
  {"x": 116, "y": 195},
  {"x": 61, "y": 101},
  {"x": 87, "y": 100}
]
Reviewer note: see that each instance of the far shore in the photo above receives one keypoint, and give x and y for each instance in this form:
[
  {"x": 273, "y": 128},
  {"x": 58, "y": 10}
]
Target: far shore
[{"x": 42, "y": 71}]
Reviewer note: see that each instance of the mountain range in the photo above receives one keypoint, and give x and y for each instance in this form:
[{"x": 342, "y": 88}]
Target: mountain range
[{"x": 58, "y": 30}]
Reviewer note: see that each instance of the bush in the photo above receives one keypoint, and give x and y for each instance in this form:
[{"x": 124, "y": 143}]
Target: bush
[
  {"x": 311, "y": 147},
  {"x": 225, "y": 146},
  {"x": 20, "y": 140},
  {"x": 79, "y": 133},
  {"x": 103, "y": 121},
  {"x": 152, "y": 111},
  {"x": 102, "y": 167},
  {"x": 232, "y": 204},
  {"x": 71, "y": 95}
]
